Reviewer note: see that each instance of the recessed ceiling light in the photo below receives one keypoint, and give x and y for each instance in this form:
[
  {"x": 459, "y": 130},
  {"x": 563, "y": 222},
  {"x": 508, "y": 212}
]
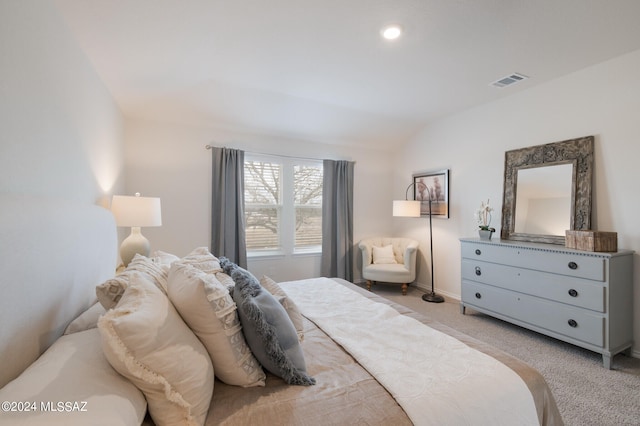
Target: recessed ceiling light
[{"x": 391, "y": 32}]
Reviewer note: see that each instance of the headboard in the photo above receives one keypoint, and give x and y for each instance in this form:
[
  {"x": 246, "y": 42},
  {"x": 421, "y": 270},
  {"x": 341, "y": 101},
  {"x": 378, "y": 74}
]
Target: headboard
[{"x": 53, "y": 253}]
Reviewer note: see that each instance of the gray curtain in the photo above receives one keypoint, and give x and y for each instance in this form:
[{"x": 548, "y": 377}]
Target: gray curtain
[
  {"x": 227, "y": 205},
  {"x": 337, "y": 220}
]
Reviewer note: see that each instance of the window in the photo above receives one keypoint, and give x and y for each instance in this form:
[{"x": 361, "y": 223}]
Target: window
[{"x": 283, "y": 205}]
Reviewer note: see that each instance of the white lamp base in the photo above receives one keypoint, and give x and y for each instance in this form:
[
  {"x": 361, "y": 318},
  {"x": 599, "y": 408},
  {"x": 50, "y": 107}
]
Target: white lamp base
[{"x": 134, "y": 243}]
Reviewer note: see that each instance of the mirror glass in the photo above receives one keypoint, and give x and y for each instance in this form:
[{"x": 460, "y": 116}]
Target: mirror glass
[
  {"x": 543, "y": 200},
  {"x": 547, "y": 191}
]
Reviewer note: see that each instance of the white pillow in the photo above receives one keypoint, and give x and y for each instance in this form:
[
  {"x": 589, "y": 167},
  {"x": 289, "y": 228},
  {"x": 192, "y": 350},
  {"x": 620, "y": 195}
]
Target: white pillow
[
  {"x": 202, "y": 259},
  {"x": 146, "y": 341},
  {"x": 383, "y": 255},
  {"x": 207, "y": 307},
  {"x": 288, "y": 305},
  {"x": 74, "y": 370},
  {"x": 164, "y": 259},
  {"x": 86, "y": 320},
  {"x": 110, "y": 292}
]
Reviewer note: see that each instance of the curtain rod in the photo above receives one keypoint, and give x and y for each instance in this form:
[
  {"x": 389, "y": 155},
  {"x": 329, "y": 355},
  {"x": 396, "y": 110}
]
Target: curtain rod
[{"x": 272, "y": 155}]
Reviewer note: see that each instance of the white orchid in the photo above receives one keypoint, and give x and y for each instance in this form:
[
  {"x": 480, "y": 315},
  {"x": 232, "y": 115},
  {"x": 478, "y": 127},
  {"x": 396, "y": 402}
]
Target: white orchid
[{"x": 483, "y": 216}]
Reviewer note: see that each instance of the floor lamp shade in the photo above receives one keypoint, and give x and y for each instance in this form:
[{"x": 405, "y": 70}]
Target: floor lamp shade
[
  {"x": 136, "y": 212},
  {"x": 406, "y": 208}
]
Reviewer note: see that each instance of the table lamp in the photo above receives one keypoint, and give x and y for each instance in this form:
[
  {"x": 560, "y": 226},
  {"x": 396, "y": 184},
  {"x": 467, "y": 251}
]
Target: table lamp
[{"x": 136, "y": 212}]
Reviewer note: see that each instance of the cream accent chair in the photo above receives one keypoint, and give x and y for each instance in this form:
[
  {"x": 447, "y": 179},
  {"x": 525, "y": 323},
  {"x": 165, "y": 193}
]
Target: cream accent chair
[{"x": 403, "y": 272}]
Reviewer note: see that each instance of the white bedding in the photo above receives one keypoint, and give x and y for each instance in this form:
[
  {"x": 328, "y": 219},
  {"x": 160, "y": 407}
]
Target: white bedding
[{"x": 435, "y": 378}]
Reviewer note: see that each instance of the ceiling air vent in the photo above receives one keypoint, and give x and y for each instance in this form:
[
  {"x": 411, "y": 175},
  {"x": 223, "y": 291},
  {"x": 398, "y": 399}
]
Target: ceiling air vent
[{"x": 509, "y": 80}]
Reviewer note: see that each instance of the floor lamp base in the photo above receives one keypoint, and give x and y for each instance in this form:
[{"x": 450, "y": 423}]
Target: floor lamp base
[{"x": 432, "y": 297}]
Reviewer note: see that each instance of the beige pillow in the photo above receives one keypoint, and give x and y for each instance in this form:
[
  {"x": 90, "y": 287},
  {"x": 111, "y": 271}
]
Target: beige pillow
[
  {"x": 202, "y": 259},
  {"x": 383, "y": 255},
  {"x": 110, "y": 292},
  {"x": 288, "y": 305},
  {"x": 145, "y": 340},
  {"x": 164, "y": 259},
  {"x": 207, "y": 307}
]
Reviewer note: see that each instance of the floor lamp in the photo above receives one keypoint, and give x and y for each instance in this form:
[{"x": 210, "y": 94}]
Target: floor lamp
[{"x": 411, "y": 208}]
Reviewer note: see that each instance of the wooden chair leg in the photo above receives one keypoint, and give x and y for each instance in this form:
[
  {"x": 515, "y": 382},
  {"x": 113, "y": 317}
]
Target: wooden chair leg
[
  {"x": 404, "y": 289},
  {"x": 369, "y": 285}
]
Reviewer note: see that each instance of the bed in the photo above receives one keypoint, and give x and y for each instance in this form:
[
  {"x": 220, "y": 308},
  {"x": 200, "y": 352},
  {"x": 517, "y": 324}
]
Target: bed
[{"x": 367, "y": 360}]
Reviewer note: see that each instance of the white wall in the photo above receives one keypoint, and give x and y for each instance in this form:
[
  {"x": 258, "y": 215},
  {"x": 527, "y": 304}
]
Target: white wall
[
  {"x": 603, "y": 100},
  {"x": 61, "y": 132},
  {"x": 170, "y": 161}
]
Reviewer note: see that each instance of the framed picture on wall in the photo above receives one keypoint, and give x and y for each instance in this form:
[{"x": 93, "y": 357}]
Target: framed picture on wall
[{"x": 432, "y": 186}]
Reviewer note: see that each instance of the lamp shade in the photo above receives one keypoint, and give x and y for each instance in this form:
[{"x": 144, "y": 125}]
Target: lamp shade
[
  {"x": 136, "y": 211},
  {"x": 406, "y": 208}
]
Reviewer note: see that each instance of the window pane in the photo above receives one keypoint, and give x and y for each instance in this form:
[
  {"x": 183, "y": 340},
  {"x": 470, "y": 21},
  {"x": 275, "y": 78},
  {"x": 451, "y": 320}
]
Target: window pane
[
  {"x": 307, "y": 185},
  {"x": 308, "y": 227},
  {"x": 308, "y": 205},
  {"x": 262, "y": 187},
  {"x": 262, "y": 182},
  {"x": 261, "y": 228}
]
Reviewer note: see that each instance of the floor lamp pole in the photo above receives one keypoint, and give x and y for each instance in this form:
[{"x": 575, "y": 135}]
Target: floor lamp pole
[{"x": 431, "y": 297}]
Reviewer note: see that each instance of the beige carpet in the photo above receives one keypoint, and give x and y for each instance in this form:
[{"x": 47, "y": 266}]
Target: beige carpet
[{"x": 586, "y": 393}]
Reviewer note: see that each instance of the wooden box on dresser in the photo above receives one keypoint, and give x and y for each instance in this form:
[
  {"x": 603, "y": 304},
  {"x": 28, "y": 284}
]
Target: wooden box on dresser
[{"x": 584, "y": 298}]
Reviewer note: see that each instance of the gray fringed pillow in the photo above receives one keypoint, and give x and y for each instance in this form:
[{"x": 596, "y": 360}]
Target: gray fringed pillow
[{"x": 267, "y": 327}]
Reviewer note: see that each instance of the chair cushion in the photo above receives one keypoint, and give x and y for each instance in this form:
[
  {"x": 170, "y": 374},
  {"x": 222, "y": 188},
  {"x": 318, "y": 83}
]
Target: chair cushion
[{"x": 390, "y": 273}]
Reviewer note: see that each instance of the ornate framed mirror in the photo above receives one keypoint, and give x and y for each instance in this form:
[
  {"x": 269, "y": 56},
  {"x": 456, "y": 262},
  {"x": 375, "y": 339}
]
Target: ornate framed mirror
[{"x": 547, "y": 190}]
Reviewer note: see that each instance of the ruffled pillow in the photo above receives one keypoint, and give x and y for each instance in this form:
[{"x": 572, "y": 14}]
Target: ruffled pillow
[{"x": 146, "y": 341}]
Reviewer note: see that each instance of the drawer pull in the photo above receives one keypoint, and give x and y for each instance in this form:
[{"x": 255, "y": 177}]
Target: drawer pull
[
  {"x": 573, "y": 323},
  {"x": 478, "y": 271},
  {"x": 478, "y": 296},
  {"x": 573, "y": 265},
  {"x": 573, "y": 293},
  {"x": 478, "y": 252}
]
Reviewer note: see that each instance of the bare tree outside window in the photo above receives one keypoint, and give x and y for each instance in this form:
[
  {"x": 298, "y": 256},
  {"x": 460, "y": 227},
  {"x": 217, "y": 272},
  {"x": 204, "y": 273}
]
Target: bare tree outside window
[{"x": 267, "y": 206}]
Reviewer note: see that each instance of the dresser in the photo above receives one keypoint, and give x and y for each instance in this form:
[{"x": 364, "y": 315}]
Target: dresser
[{"x": 584, "y": 298}]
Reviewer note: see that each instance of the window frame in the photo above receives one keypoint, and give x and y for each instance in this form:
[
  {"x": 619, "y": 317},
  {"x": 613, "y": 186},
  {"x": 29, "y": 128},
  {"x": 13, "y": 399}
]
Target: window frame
[{"x": 287, "y": 208}]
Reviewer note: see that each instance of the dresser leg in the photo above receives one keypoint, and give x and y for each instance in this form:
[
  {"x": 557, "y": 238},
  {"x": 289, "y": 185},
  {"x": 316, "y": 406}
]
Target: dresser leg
[
  {"x": 462, "y": 308},
  {"x": 606, "y": 360}
]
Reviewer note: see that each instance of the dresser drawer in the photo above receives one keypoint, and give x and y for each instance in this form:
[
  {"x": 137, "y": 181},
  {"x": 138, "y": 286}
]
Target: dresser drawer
[
  {"x": 573, "y": 322},
  {"x": 565, "y": 263},
  {"x": 572, "y": 291}
]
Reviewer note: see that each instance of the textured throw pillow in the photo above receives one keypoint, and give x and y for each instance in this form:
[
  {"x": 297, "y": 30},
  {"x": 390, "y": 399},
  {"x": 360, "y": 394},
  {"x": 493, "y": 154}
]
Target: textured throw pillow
[
  {"x": 110, "y": 292},
  {"x": 288, "y": 305},
  {"x": 383, "y": 255},
  {"x": 208, "y": 309},
  {"x": 267, "y": 328},
  {"x": 202, "y": 259},
  {"x": 145, "y": 340}
]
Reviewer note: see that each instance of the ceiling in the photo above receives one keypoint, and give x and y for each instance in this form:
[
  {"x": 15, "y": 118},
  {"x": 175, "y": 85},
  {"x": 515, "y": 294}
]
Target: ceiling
[{"x": 319, "y": 70}]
